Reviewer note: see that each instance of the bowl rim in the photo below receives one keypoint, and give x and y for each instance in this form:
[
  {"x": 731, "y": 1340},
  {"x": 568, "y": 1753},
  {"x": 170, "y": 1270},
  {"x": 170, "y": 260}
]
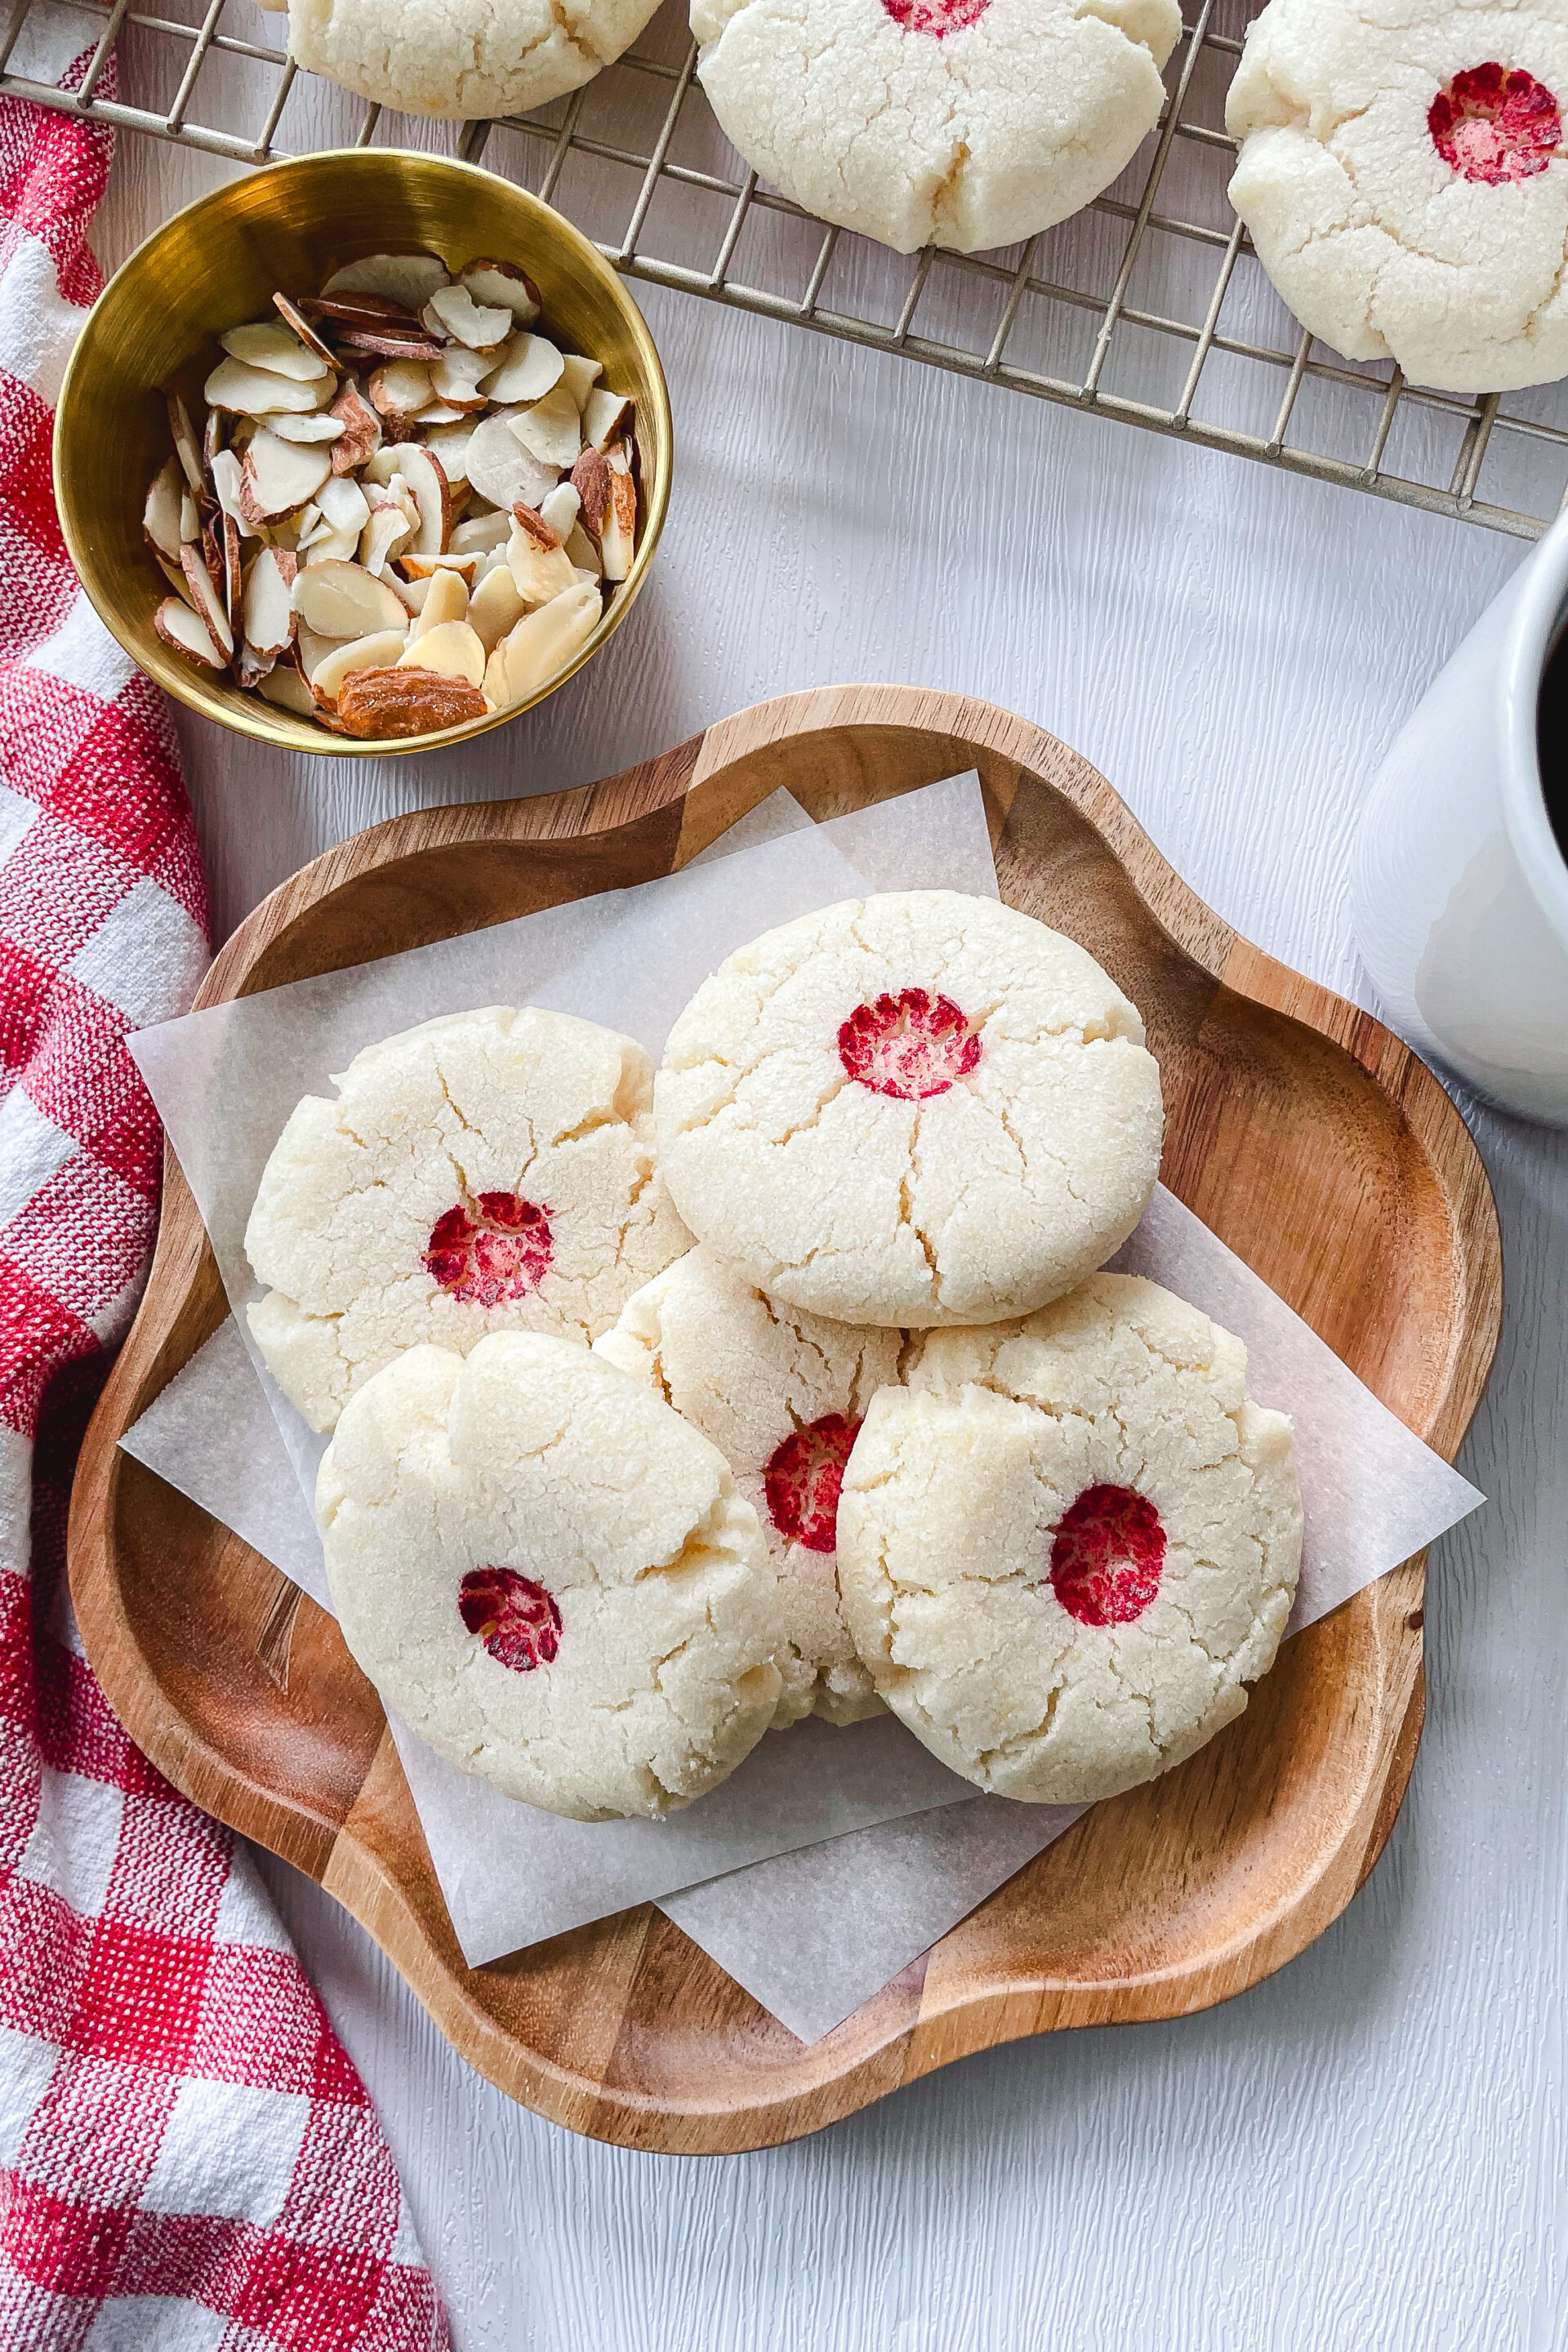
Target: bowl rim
[{"x": 188, "y": 689}]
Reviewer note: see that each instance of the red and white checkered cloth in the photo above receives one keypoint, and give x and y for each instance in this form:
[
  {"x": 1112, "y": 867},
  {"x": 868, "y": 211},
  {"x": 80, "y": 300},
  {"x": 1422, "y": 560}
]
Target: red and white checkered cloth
[{"x": 189, "y": 2161}]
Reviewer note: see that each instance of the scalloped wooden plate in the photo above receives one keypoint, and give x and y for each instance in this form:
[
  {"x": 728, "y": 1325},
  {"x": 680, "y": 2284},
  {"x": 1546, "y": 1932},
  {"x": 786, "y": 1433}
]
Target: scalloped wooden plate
[{"x": 1304, "y": 1134}]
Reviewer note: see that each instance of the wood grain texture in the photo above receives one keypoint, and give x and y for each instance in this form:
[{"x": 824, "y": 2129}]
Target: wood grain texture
[{"x": 1310, "y": 1141}]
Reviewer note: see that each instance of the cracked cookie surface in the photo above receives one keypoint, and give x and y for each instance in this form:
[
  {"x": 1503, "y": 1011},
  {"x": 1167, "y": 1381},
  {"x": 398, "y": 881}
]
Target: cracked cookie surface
[
  {"x": 911, "y": 1109},
  {"x": 781, "y": 1395},
  {"x": 968, "y": 123},
  {"x": 549, "y": 1576},
  {"x": 489, "y": 1171},
  {"x": 1067, "y": 1545},
  {"x": 461, "y": 59},
  {"x": 1404, "y": 178}
]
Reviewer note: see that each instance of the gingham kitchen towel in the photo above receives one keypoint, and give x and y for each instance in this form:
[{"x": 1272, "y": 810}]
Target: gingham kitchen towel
[{"x": 189, "y": 2161}]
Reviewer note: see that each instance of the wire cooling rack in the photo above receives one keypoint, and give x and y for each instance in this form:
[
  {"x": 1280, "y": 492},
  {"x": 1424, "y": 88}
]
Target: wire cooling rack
[{"x": 1149, "y": 308}]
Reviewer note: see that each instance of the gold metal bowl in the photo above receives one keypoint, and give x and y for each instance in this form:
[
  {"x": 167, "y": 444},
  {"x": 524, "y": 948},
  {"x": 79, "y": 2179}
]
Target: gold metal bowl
[{"x": 286, "y": 229}]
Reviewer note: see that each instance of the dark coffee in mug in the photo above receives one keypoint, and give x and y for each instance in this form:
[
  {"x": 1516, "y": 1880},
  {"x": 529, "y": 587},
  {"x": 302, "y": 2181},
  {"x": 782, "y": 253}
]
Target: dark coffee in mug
[{"x": 1551, "y": 740}]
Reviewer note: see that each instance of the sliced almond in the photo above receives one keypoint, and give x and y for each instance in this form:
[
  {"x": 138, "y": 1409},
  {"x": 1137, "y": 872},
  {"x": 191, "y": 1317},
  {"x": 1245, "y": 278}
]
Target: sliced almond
[
  {"x": 273, "y": 348},
  {"x": 254, "y": 391},
  {"x": 206, "y": 600},
  {"x": 580, "y": 375},
  {"x": 276, "y": 476},
  {"x": 301, "y": 327},
  {"x": 228, "y": 481},
  {"x": 343, "y": 600},
  {"x": 412, "y": 594},
  {"x": 178, "y": 626},
  {"x": 388, "y": 530},
  {"x": 425, "y": 567},
  {"x": 551, "y": 428},
  {"x": 484, "y": 533},
  {"x": 455, "y": 378},
  {"x": 187, "y": 448},
  {"x": 454, "y": 310},
  {"x": 267, "y": 614},
  {"x": 617, "y": 531},
  {"x": 175, "y": 575},
  {"x": 309, "y": 525},
  {"x": 495, "y": 607},
  {"x": 161, "y": 514},
  {"x": 533, "y": 366},
  {"x": 381, "y": 344},
  {"x": 605, "y": 416},
  {"x": 190, "y": 520},
  {"x": 340, "y": 546},
  {"x": 343, "y": 503},
  {"x": 318, "y": 427},
  {"x": 407, "y": 277},
  {"x": 531, "y": 652},
  {"x": 381, "y": 311},
  {"x": 502, "y": 471},
  {"x": 449, "y": 647},
  {"x": 286, "y": 687},
  {"x": 212, "y": 440},
  {"x": 503, "y": 284},
  {"x": 583, "y": 554},
  {"x": 377, "y": 652},
  {"x": 400, "y": 389},
  {"x": 312, "y": 649},
  {"x": 447, "y": 601},
  {"x": 362, "y": 430},
  {"x": 450, "y": 444},
  {"x": 558, "y": 508},
  {"x": 423, "y": 473},
  {"x": 233, "y": 573},
  {"x": 538, "y": 563},
  {"x": 591, "y": 480},
  {"x": 440, "y": 411},
  {"x": 381, "y": 704}
]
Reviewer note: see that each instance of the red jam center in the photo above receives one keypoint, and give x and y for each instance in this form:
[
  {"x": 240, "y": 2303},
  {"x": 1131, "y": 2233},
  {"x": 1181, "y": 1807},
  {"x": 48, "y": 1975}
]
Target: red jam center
[
  {"x": 1492, "y": 125},
  {"x": 912, "y": 1045},
  {"x": 804, "y": 1480},
  {"x": 938, "y": 17},
  {"x": 1106, "y": 1556},
  {"x": 516, "y": 1619},
  {"x": 492, "y": 1253}
]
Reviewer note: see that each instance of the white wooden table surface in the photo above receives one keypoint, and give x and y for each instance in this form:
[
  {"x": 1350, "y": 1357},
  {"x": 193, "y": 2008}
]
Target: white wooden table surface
[{"x": 1368, "y": 2150}]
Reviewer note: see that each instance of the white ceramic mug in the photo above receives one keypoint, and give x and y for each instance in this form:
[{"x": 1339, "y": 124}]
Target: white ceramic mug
[{"x": 1458, "y": 889}]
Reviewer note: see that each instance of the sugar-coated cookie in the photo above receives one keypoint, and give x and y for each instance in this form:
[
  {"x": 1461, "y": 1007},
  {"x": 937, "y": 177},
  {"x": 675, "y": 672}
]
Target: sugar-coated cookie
[
  {"x": 1069, "y": 1543},
  {"x": 460, "y": 59},
  {"x": 548, "y": 1576},
  {"x": 490, "y": 1171},
  {"x": 781, "y": 1395},
  {"x": 911, "y": 1110},
  {"x": 969, "y": 123},
  {"x": 1403, "y": 175}
]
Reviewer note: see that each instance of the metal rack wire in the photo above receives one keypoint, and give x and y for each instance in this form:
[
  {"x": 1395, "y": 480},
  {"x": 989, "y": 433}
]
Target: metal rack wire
[{"x": 1147, "y": 308}]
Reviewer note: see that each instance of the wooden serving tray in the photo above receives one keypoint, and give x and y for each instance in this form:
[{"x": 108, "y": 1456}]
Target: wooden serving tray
[{"x": 1304, "y": 1134}]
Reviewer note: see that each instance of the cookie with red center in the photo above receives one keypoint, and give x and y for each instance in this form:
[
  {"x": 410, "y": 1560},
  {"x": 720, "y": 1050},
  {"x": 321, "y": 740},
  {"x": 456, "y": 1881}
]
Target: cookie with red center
[
  {"x": 550, "y": 1576},
  {"x": 1405, "y": 178},
  {"x": 491, "y": 1171},
  {"x": 1067, "y": 1545},
  {"x": 968, "y": 123},
  {"x": 781, "y": 1395},
  {"x": 911, "y": 1110}
]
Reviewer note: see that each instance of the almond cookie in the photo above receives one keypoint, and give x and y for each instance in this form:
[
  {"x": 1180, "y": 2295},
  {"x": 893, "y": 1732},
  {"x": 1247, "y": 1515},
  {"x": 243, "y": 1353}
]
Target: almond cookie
[
  {"x": 490, "y": 1171},
  {"x": 971, "y": 123},
  {"x": 460, "y": 59},
  {"x": 549, "y": 1576},
  {"x": 1402, "y": 177},
  {"x": 1067, "y": 1547},
  {"x": 781, "y": 1395},
  {"x": 911, "y": 1110}
]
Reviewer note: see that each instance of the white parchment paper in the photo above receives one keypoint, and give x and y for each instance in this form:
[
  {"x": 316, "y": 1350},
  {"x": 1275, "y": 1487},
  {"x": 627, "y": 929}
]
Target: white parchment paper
[{"x": 832, "y": 1858}]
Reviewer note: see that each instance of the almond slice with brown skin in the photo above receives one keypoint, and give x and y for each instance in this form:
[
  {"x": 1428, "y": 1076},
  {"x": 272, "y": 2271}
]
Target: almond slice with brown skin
[
  {"x": 449, "y": 647},
  {"x": 455, "y": 379},
  {"x": 343, "y": 600},
  {"x": 207, "y": 604},
  {"x": 428, "y": 482},
  {"x": 559, "y": 510},
  {"x": 378, "y": 652},
  {"x": 400, "y": 390},
  {"x": 532, "y": 367},
  {"x": 300, "y": 326},
  {"x": 503, "y": 285},
  {"x": 539, "y": 563},
  {"x": 452, "y": 310},
  {"x": 233, "y": 574},
  {"x": 551, "y": 428},
  {"x": 365, "y": 310},
  {"x": 362, "y": 430},
  {"x": 408, "y": 279},
  {"x": 605, "y": 416},
  {"x": 591, "y": 480},
  {"x": 180, "y": 628},
  {"x": 418, "y": 348},
  {"x": 267, "y": 612},
  {"x": 617, "y": 531},
  {"x": 187, "y": 448},
  {"x": 228, "y": 481},
  {"x": 276, "y": 476},
  {"x": 161, "y": 515},
  {"x": 381, "y": 704}
]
